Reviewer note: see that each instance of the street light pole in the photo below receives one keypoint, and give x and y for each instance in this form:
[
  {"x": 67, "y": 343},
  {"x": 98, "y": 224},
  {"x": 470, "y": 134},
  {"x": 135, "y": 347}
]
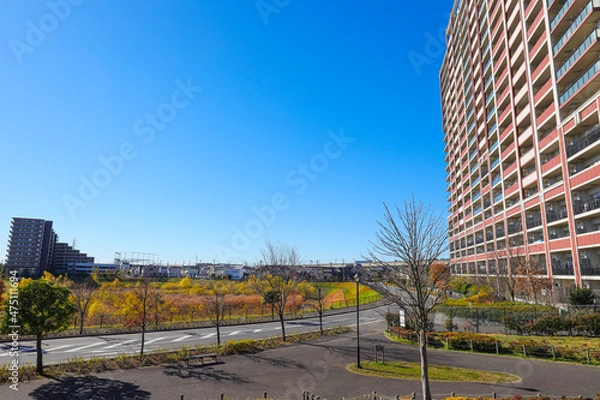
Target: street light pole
[{"x": 357, "y": 279}]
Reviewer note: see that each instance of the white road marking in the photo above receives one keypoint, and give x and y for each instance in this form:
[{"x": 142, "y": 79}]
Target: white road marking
[
  {"x": 182, "y": 338},
  {"x": 209, "y": 335},
  {"x": 153, "y": 340},
  {"x": 84, "y": 347},
  {"x": 257, "y": 330},
  {"x": 234, "y": 333},
  {"x": 3, "y": 354},
  {"x": 59, "y": 347},
  {"x": 105, "y": 353},
  {"x": 119, "y": 344}
]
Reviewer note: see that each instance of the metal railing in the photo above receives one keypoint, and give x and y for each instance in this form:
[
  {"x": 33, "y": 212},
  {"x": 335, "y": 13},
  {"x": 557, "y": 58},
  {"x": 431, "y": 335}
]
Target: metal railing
[
  {"x": 582, "y": 206},
  {"x": 590, "y": 137}
]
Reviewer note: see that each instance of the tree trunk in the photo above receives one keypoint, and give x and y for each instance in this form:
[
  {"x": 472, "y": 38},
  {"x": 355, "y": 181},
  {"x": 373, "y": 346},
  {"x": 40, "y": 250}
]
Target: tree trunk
[
  {"x": 424, "y": 366},
  {"x": 282, "y": 326},
  {"x": 143, "y": 336},
  {"x": 38, "y": 348},
  {"x": 81, "y": 315},
  {"x": 321, "y": 321},
  {"x": 218, "y": 333}
]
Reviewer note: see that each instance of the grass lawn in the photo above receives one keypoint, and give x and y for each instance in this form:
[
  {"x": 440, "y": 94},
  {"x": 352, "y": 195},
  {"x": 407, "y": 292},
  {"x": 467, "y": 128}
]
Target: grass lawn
[
  {"x": 566, "y": 348},
  {"x": 412, "y": 371}
]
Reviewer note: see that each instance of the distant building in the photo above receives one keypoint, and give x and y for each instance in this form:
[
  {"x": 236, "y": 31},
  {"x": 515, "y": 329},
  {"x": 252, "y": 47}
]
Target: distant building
[
  {"x": 29, "y": 246},
  {"x": 88, "y": 268},
  {"x": 33, "y": 248},
  {"x": 238, "y": 272},
  {"x": 63, "y": 254}
]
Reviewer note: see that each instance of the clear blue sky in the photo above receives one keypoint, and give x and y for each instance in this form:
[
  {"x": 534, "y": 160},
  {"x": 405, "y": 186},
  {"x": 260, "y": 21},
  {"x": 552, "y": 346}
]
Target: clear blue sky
[{"x": 313, "y": 113}]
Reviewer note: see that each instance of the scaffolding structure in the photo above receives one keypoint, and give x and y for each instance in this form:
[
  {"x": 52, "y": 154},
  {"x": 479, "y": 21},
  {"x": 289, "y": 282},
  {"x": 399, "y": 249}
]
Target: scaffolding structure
[{"x": 136, "y": 258}]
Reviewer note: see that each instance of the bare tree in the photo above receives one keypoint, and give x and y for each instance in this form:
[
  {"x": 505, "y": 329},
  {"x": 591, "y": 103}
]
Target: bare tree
[
  {"x": 519, "y": 274},
  {"x": 415, "y": 236},
  {"x": 531, "y": 279},
  {"x": 82, "y": 294},
  {"x": 316, "y": 296},
  {"x": 278, "y": 280},
  {"x": 145, "y": 307},
  {"x": 216, "y": 305}
]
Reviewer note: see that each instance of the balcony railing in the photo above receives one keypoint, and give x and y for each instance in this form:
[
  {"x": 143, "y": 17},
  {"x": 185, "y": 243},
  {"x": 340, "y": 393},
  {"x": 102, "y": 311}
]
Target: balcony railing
[
  {"x": 514, "y": 228},
  {"x": 579, "y": 83},
  {"x": 555, "y": 215},
  {"x": 575, "y": 55},
  {"x": 574, "y": 25},
  {"x": 583, "y": 206},
  {"x": 560, "y": 13},
  {"x": 474, "y": 168},
  {"x": 534, "y": 222},
  {"x": 591, "y": 270},
  {"x": 473, "y": 154},
  {"x": 562, "y": 269},
  {"x": 491, "y": 95},
  {"x": 590, "y": 137}
]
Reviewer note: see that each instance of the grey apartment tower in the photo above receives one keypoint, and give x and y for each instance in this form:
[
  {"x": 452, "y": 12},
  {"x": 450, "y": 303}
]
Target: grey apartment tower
[{"x": 33, "y": 248}]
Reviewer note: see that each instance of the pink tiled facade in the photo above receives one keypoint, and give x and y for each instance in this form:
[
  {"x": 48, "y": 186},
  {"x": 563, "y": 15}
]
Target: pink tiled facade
[{"x": 520, "y": 89}]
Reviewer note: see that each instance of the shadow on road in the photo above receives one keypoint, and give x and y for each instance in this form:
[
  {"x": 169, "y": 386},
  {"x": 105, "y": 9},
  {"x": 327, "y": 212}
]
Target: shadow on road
[
  {"x": 202, "y": 373},
  {"x": 278, "y": 362},
  {"x": 89, "y": 388}
]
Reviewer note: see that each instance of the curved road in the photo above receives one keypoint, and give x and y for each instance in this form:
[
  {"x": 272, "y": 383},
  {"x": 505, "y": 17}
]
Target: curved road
[
  {"x": 318, "y": 366},
  {"x": 62, "y": 349}
]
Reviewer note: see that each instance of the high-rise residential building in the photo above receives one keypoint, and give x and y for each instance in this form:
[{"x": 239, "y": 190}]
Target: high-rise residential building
[
  {"x": 33, "y": 248},
  {"x": 520, "y": 89},
  {"x": 30, "y": 246}
]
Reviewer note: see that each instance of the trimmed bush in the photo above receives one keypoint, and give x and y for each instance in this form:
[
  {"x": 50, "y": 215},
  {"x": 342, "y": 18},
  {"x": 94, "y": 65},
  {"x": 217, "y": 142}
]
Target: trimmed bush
[
  {"x": 587, "y": 324},
  {"x": 548, "y": 325}
]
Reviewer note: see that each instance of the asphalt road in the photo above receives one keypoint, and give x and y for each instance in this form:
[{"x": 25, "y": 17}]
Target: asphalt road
[
  {"x": 317, "y": 366},
  {"x": 58, "y": 350}
]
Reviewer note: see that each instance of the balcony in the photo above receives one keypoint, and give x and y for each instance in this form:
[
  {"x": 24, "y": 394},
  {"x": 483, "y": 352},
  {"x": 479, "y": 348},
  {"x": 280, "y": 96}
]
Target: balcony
[
  {"x": 589, "y": 41},
  {"x": 496, "y": 180},
  {"x": 574, "y": 88},
  {"x": 583, "y": 206},
  {"x": 562, "y": 269},
  {"x": 514, "y": 228},
  {"x": 590, "y": 137},
  {"x": 555, "y": 215},
  {"x": 583, "y": 14},
  {"x": 534, "y": 222},
  {"x": 590, "y": 270},
  {"x": 560, "y": 14}
]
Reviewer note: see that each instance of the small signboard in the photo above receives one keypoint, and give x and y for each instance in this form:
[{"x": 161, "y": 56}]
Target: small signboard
[{"x": 402, "y": 318}]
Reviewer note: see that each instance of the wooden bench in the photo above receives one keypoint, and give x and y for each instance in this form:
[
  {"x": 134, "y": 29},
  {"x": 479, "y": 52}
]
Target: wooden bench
[{"x": 202, "y": 357}]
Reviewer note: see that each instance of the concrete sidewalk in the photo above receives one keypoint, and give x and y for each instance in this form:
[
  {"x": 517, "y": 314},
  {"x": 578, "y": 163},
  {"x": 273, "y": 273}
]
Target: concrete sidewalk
[{"x": 319, "y": 367}]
